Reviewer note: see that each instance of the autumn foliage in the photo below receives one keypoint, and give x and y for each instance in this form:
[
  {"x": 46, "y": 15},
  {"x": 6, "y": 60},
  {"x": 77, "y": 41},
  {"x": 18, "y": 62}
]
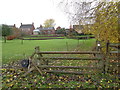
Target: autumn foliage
[
  {"x": 16, "y": 33},
  {"x": 106, "y": 23}
]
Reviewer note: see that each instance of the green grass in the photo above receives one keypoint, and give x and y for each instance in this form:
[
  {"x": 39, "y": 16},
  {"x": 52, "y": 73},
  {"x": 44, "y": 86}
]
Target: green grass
[{"x": 14, "y": 50}]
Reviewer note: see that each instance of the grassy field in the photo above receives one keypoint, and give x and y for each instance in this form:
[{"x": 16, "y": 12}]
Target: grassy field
[
  {"x": 12, "y": 78},
  {"x": 14, "y": 50}
]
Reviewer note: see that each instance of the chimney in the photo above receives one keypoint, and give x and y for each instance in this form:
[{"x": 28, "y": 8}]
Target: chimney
[
  {"x": 41, "y": 26},
  {"x": 14, "y": 25},
  {"x": 21, "y": 24},
  {"x": 70, "y": 26}
]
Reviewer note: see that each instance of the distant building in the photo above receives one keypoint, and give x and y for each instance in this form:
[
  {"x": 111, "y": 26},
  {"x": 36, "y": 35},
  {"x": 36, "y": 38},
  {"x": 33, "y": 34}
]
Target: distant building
[
  {"x": 70, "y": 31},
  {"x": 58, "y": 28},
  {"x": 12, "y": 26},
  {"x": 27, "y": 28},
  {"x": 78, "y": 28},
  {"x": 47, "y": 30},
  {"x": 36, "y": 32}
]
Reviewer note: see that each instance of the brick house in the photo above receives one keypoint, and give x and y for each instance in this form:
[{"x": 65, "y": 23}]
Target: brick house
[
  {"x": 12, "y": 26},
  {"x": 36, "y": 32},
  {"x": 47, "y": 30},
  {"x": 27, "y": 28}
]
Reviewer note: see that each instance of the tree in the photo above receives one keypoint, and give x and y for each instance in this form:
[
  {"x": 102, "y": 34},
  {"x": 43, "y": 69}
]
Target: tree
[
  {"x": 61, "y": 31},
  {"x": 104, "y": 17},
  {"x": 15, "y": 33},
  {"x": 6, "y": 31},
  {"x": 49, "y": 23},
  {"x": 0, "y": 31},
  {"x": 58, "y": 28},
  {"x": 106, "y": 26},
  {"x": 106, "y": 23},
  {"x": 75, "y": 10}
]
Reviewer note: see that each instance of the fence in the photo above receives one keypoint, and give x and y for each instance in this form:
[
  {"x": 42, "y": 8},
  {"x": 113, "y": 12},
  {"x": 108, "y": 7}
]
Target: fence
[
  {"x": 41, "y": 63},
  {"x": 112, "y": 57},
  {"x": 103, "y": 64}
]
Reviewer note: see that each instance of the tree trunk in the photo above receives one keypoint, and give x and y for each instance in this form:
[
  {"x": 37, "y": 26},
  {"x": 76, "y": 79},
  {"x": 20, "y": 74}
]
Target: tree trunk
[
  {"x": 22, "y": 41},
  {"x": 4, "y": 39}
]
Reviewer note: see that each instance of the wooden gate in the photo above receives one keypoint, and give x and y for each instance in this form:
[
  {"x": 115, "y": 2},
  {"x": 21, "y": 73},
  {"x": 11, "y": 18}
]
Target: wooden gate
[
  {"x": 42, "y": 63},
  {"x": 112, "y": 57}
]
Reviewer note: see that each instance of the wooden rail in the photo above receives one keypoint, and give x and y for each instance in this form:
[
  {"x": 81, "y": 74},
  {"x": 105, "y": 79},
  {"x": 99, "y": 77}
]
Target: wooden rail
[
  {"x": 104, "y": 61},
  {"x": 45, "y": 66},
  {"x": 68, "y": 67},
  {"x": 114, "y": 52},
  {"x": 69, "y": 58},
  {"x": 114, "y": 44},
  {"x": 68, "y": 52},
  {"x": 67, "y": 72}
]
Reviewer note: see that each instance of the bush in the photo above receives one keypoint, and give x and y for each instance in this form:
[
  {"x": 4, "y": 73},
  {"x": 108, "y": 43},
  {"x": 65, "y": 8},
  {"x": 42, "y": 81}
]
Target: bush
[{"x": 11, "y": 37}]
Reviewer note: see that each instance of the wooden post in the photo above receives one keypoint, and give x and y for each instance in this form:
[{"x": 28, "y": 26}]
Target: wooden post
[
  {"x": 107, "y": 47},
  {"x": 107, "y": 57},
  {"x": 104, "y": 64},
  {"x": 78, "y": 43},
  {"x": 22, "y": 41},
  {"x": 43, "y": 61},
  {"x": 67, "y": 45},
  {"x": 37, "y": 50}
]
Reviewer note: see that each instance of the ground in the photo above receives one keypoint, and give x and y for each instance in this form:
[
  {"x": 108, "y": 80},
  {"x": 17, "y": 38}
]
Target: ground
[
  {"x": 13, "y": 52},
  {"x": 13, "y": 79}
]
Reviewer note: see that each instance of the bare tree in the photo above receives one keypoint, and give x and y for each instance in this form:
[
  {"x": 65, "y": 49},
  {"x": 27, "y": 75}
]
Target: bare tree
[{"x": 77, "y": 11}]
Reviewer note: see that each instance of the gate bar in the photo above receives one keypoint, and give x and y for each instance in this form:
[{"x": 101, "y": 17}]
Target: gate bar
[
  {"x": 67, "y": 72},
  {"x": 72, "y": 67},
  {"x": 69, "y": 58},
  {"x": 68, "y": 52}
]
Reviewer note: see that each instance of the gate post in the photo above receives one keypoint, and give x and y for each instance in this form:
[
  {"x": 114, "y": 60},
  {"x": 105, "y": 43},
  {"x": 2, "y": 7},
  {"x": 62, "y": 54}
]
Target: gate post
[
  {"x": 42, "y": 61},
  {"x": 107, "y": 57},
  {"x": 37, "y": 49}
]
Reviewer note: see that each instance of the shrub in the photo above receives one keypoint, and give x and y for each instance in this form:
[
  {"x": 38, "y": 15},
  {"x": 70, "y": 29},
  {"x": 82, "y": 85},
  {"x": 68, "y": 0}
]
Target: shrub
[{"x": 11, "y": 37}]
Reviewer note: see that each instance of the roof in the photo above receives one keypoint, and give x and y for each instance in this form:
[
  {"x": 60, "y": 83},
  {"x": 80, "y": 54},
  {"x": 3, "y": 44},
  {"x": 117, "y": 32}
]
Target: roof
[
  {"x": 77, "y": 26},
  {"x": 36, "y": 30},
  {"x": 49, "y": 28},
  {"x": 26, "y": 26},
  {"x": 11, "y": 26}
]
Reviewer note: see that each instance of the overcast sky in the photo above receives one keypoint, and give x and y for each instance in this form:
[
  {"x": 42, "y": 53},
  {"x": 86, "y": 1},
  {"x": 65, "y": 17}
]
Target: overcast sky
[
  {"x": 37, "y": 11},
  {"x": 28, "y": 11}
]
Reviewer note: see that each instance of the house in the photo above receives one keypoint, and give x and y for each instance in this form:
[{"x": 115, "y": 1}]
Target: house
[
  {"x": 47, "y": 30},
  {"x": 78, "y": 28},
  {"x": 12, "y": 26},
  {"x": 27, "y": 28},
  {"x": 71, "y": 32},
  {"x": 36, "y": 32}
]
